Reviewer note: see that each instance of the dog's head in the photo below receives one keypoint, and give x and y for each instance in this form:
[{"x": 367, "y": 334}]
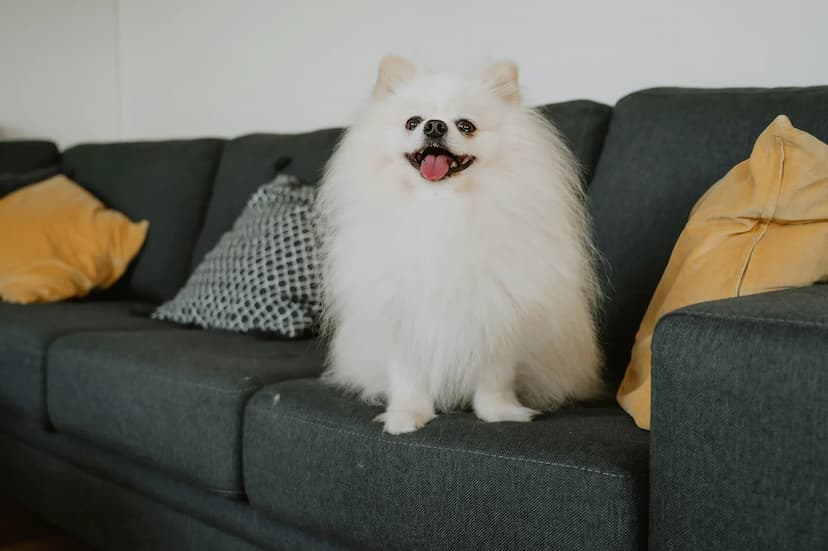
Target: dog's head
[{"x": 438, "y": 128}]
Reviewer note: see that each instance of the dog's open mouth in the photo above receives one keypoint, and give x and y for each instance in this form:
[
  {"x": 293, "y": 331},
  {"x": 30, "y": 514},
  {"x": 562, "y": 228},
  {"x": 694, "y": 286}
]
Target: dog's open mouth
[{"x": 436, "y": 163}]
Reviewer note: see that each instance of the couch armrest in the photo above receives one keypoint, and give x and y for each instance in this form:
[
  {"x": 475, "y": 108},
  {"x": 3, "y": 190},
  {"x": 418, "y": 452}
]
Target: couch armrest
[{"x": 739, "y": 440}]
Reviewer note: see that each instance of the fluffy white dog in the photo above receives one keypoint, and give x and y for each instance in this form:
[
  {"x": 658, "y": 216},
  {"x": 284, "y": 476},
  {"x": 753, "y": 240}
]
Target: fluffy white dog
[{"x": 458, "y": 269}]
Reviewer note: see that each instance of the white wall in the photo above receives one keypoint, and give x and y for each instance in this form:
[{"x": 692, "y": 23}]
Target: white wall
[
  {"x": 223, "y": 67},
  {"x": 59, "y": 70}
]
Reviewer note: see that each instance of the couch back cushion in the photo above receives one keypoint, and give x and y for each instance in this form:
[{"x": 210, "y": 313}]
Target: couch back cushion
[
  {"x": 583, "y": 125},
  {"x": 26, "y": 155},
  {"x": 664, "y": 148},
  {"x": 167, "y": 183},
  {"x": 249, "y": 162}
]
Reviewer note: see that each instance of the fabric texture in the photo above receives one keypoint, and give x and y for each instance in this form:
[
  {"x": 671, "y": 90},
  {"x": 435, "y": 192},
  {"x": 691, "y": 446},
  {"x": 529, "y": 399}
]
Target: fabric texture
[
  {"x": 98, "y": 511},
  {"x": 167, "y": 183},
  {"x": 173, "y": 399},
  {"x": 57, "y": 241},
  {"x": 583, "y": 125},
  {"x": 26, "y": 155},
  {"x": 664, "y": 149},
  {"x": 576, "y": 479},
  {"x": 264, "y": 274},
  {"x": 739, "y": 449},
  {"x": 80, "y": 486},
  {"x": 27, "y": 331},
  {"x": 13, "y": 181},
  {"x": 764, "y": 226},
  {"x": 71, "y": 467}
]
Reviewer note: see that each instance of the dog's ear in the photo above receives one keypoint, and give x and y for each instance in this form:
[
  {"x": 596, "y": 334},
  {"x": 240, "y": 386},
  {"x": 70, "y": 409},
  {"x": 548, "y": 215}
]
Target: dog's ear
[
  {"x": 393, "y": 71},
  {"x": 501, "y": 77}
]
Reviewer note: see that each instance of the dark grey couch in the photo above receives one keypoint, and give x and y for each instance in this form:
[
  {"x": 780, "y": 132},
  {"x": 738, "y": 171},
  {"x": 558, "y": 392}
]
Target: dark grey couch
[{"x": 137, "y": 434}]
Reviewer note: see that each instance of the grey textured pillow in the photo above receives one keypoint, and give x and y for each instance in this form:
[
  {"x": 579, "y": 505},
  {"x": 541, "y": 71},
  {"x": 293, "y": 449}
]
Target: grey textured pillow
[{"x": 264, "y": 274}]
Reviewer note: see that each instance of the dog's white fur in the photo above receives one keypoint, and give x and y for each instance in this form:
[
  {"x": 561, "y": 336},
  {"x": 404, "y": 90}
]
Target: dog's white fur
[{"x": 477, "y": 290}]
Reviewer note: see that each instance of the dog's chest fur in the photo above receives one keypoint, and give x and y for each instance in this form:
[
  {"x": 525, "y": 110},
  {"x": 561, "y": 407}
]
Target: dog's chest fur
[{"x": 441, "y": 274}]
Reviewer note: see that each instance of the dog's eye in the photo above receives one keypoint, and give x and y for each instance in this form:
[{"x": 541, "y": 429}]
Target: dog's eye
[
  {"x": 413, "y": 122},
  {"x": 465, "y": 126}
]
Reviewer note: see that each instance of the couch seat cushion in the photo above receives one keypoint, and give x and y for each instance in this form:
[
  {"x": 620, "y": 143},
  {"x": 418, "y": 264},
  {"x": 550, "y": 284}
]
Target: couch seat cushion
[
  {"x": 576, "y": 479},
  {"x": 26, "y": 331},
  {"x": 173, "y": 399}
]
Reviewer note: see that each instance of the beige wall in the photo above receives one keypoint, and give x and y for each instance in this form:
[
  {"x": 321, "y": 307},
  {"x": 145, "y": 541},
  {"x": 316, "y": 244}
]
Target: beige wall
[{"x": 59, "y": 70}]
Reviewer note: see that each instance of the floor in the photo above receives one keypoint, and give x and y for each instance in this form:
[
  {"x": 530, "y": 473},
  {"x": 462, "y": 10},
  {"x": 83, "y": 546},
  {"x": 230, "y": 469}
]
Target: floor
[{"x": 20, "y": 531}]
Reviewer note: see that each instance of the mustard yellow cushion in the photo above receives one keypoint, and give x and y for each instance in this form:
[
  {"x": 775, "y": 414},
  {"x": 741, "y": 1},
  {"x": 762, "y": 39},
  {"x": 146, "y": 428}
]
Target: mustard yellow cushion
[
  {"x": 762, "y": 227},
  {"x": 58, "y": 241}
]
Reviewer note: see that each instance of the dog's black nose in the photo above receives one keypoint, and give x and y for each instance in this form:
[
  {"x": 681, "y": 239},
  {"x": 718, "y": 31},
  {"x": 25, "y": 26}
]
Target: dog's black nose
[{"x": 435, "y": 128}]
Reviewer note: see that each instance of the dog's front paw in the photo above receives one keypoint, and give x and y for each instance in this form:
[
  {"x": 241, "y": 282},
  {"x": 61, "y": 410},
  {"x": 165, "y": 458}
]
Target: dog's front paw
[
  {"x": 494, "y": 411},
  {"x": 399, "y": 421}
]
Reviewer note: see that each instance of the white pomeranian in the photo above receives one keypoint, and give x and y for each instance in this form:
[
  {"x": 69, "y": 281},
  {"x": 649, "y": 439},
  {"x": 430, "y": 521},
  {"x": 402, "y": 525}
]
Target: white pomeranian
[{"x": 458, "y": 269}]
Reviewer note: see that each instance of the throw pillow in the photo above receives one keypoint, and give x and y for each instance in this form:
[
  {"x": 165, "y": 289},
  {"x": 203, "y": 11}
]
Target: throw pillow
[
  {"x": 58, "y": 241},
  {"x": 763, "y": 227},
  {"x": 264, "y": 274}
]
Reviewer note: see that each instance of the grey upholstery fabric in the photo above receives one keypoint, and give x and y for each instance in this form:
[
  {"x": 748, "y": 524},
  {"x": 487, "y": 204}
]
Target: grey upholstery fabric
[
  {"x": 573, "y": 480},
  {"x": 583, "y": 125},
  {"x": 167, "y": 183},
  {"x": 250, "y": 161},
  {"x": 173, "y": 399},
  {"x": 26, "y": 331},
  {"x": 114, "y": 503},
  {"x": 108, "y": 515},
  {"x": 16, "y": 180},
  {"x": 26, "y": 155},
  {"x": 664, "y": 148},
  {"x": 739, "y": 455}
]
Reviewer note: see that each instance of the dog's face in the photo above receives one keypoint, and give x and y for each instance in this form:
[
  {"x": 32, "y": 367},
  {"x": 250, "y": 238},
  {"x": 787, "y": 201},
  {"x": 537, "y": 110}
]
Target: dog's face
[{"x": 441, "y": 129}]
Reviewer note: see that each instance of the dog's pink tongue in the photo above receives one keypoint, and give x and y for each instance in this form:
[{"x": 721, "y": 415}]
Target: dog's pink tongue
[{"x": 434, "y": 167}]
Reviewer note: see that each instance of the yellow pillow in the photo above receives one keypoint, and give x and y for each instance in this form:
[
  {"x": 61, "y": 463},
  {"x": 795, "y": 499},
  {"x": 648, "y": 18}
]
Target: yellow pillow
[
  {"x": 58, "y": 241},
  {"x": 762, "y": 227}
]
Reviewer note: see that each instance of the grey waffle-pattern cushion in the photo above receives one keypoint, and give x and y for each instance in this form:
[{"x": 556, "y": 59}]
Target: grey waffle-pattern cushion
[{"x": 264, "y": 274}]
